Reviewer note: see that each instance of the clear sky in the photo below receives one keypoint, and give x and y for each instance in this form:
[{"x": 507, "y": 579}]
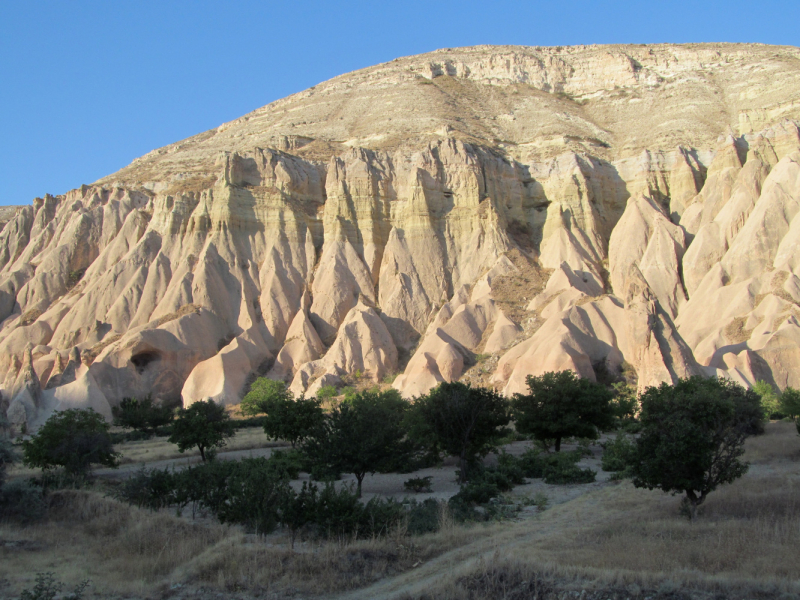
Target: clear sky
[{"x": 86, "y": 87}]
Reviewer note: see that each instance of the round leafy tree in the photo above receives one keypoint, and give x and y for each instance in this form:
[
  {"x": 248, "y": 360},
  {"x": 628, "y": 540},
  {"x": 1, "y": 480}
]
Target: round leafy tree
[
  {"x": 461, "y": 420},
  {"x": 73, "y": 439},
  {"x": 205, "y": 424},
  {"x": 286, "y": 418},
  {"x": 790, "y": 402},
  {"x": 562, "y": 405},
  {"x": 142, "y": 414},
  {"x": 362, "y": 435},
  {"x": 693, "y": 436}
]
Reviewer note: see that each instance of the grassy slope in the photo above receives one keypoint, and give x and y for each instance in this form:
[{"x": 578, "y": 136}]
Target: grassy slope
[{"x": 611, "y": 538}]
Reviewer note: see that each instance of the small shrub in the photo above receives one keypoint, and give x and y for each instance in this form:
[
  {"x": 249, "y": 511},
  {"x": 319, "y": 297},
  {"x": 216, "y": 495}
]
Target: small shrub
[
  {"x": 7, "y": 458},
  {"x": 22, "y": 501},
  {"x": 423, "y": 517},
  {"x": 558, "y": 468},
  {"x": 153, "y": 489},
  {"x": 618, "y": 454},
  {"x": 289, "y": 463},
  {"x": 47, "y": 588},
  {"x": 418, "y": 484}
]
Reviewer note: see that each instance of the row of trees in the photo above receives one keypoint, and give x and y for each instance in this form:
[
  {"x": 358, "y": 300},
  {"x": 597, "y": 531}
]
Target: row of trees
[{"x": 691, "y": 439}]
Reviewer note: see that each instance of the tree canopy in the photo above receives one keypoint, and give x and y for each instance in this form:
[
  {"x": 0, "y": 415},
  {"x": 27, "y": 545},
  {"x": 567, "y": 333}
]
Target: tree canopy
[
  {"x": 286, "y": 418},
  {"x": 205, "y": 424},
  {"x": 460, "y": 420},
  {"x": 362, "y": 435},
  {"x": 142, "y": 414},
  {"x": 561, "y": 405},
  {"x": 693, "y": 436},
  {"x": 790, "y": 402},
  {"x": 73, "y": 439}
]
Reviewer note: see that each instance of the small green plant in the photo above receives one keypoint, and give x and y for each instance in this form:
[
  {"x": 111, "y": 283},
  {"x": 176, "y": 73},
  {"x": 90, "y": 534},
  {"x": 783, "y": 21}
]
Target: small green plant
[
  {"x": 618, "y": 454},
  {"x": 47, "y": 588},
  {"x": 326, "y": 392},
  {"x": 418, "y": 484},
  {"x": 559, "y": 468},
  {"x": 540, "y": 500}
]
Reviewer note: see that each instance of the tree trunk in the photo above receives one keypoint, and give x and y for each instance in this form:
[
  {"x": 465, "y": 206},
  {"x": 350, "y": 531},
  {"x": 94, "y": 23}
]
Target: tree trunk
[
  {"x": 558, "y": 444},
  {"x": 202, "y": 453},
  {"x": 462, "y": 465},
  {"x": 360, "y": 478}
]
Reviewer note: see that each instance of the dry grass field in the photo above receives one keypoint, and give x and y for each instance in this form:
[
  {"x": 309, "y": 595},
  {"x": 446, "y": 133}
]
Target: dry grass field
[{"x": 609, "y": 540}]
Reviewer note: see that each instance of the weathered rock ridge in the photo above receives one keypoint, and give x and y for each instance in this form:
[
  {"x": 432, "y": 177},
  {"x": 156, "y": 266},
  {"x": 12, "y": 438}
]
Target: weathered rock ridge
[{"x": 480, "y": 214}]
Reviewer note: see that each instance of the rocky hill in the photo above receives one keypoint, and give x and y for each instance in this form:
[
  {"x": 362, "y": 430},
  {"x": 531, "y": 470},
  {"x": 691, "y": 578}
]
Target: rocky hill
[{"x": 477, "y": 213}]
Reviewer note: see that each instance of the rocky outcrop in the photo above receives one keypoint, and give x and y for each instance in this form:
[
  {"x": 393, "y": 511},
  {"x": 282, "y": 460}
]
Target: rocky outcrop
[{"x": 481, "y": 214}]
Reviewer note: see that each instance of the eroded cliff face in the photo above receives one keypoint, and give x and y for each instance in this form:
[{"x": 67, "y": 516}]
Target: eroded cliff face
[{"x": 446, "y": 255}]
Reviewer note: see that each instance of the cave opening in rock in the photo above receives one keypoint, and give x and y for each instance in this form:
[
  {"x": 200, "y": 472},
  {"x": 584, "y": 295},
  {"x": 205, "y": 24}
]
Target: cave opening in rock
[{"x": 141, "y": 360}]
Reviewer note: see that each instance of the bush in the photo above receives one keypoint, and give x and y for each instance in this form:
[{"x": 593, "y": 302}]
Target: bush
[
  {"x": 142, "y": 415},
  {"x": 73, "y": 439},
  {"x": 418, "y": 484},
  {"x": 288, "y": 463},
  {"x": 693, "y": 436},
  {"x": 22, "y": 501},
  {"x": 153, "y": 489},
  {"x": 7, "y": 458},
  {"x": 47, "y": 588},
  {"x": 205, "y": 424},
  {"x": 560, "y": 468},
  {"x": 423, "y": 517},
  {"x": 618, "y": 454},
  {"x": 562, "y": 405}
]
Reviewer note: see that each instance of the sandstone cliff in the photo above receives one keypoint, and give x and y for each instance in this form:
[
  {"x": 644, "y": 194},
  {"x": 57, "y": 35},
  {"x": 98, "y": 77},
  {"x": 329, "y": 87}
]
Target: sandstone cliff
[{"x": 480, "y": 213}]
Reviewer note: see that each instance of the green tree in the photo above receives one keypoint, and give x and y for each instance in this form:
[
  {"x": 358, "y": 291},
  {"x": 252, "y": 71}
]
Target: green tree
[
  {"x": 693, "y": 436},
  {"x": 142, "y": 415},
  {"x": 73, "y": 439},
  {"x": 625, "y": 404},
  {"x": 204, "y": 424},
  {"x": 460, "y": 420},
  {"x": 563, "y": 405},
  {"x": 7, "y": 458},
  {"x": 363, "y": 435},
  {"x": 286, "y": 418},
  {"x": 769, "y": 400},
  {"x": 790, "y": 402}
]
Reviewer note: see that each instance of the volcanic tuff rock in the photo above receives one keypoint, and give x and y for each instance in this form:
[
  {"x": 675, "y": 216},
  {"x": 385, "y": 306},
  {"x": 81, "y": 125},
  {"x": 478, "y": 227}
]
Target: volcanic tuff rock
[{"x": 478, "y": 213}]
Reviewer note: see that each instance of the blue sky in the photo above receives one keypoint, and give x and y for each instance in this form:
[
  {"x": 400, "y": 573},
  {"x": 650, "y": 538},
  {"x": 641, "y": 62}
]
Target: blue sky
[{"x": 86, "y": 87}]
